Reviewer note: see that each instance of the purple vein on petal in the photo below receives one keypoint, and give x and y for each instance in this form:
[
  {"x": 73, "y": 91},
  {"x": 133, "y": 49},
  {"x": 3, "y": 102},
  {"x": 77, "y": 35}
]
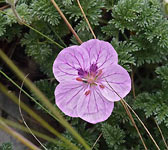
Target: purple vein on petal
[
  {"x": 88, "y": 102},
  {"x": 76, "y": 59},
  {"x": 82, "y": 58},
  {"x": 111, "y": 74},
  {"x": 98, "y": 55},
  {"x": 89, "y": 52},
  {"x": 113, "y": 89},
  {"x": 69, "y": 65},
  {"x": 95, "y": 102},
  {"x": 74, "y": 96},
  {"x": 104, "y": 61},
  {"x": 101, "y": 97},
  {"x": 66, "y": 72},
  {"x": 117, "y": 82},
  {"x": 62, "y": 93}
]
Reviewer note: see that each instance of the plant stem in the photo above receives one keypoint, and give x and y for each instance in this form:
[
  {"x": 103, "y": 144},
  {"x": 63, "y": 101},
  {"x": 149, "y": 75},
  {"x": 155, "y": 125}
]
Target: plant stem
[
  {"x": 87, "y": 21},
  {"x": 143, "y": 125},
  {"x": 18, "y": 18},
  {"x": 132, "y": 81},
  {"x": 67, "y": 22},
  {"x": 132, "y": 120},
  {"x": 3, "y": 7},
  {"x": 161, "y": 134}
]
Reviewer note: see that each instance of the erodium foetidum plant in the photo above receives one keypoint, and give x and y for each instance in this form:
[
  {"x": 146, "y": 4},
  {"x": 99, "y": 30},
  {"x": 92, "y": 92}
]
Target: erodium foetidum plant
[{"x": 86, "y": 74}]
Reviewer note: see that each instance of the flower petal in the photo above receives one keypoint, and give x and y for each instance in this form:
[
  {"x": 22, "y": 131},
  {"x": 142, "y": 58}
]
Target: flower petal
[
  {"x": 115, "y": 80},
  {"x": 94, "y": 107},
  {"x": 100, "y": 52},
  {"x": 67, "y": 95},
  {"x": 68, "y": 62}
]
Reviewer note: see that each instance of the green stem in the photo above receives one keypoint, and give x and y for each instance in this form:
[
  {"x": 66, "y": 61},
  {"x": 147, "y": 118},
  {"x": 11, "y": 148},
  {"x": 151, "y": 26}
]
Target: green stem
[
  {"x": 117, "y": 37},
  {"x": 125, "y": 37},
  {"x": 58, "y": 37},
  {"x": 57, "y": 44}
]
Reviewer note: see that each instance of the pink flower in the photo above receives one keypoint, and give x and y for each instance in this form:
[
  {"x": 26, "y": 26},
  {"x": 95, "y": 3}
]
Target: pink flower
[{"x": 83, "y": 72}]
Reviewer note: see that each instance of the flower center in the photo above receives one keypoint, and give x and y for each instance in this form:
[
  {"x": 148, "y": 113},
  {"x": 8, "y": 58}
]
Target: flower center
[
  {"x": 91, "y": 79},
  {"x": 90, "y": 76}
]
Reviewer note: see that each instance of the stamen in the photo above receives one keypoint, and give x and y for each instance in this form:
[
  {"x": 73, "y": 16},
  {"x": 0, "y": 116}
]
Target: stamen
[
  {"x": 79, "y": 79},
  {"x": 101, "y": 86},
  {"x": 100, "y": 72},
  {"x": 87, "y": 92}
]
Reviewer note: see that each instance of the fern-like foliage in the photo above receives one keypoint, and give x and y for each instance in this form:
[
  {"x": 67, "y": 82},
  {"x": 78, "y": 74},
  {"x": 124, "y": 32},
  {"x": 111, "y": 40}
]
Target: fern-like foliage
[
  {"x": 67, "y": 2},
  {"x": 12, "y": 33},
  {"x": 25, "y": 13},
  {"x": 2, "y": 25},
  {"x": 114, "y": 136},
  {"x": 163, "y": 75},
  {"x": 24, "y": 1},
  {"x": 125, "y": 50},
  {"x": 6, "y": 146},
  {"x": 44, "y": 10},
  {"x": 40, "y": 49},
  {"x": 155, "y": 104},
  {"x": 89, "y": 135},
  {"x": 146, "y": 25},
  {"x": 36, "y": 48},
  {"x": 92, "y": 10},
  {"x": 125, "y": 14},
  {"x": 46, "y": 87}
]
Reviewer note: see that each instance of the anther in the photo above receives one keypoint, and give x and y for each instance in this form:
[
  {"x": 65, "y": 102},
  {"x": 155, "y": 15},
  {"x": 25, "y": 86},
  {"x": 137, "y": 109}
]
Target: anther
[
  {"x": 79, "y": 79},
  {"x": 101, "y": 86},
  {"x": 87, "y": 92}
]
